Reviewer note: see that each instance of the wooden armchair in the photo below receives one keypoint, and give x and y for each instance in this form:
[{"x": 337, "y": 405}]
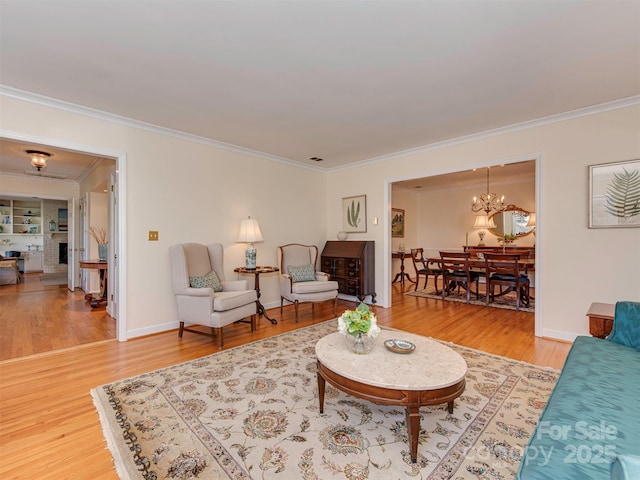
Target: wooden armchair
[
  {"x": 424, "y": 267},
  {"x": 503, "y": 270},
  {"x": 9, "y": 272},
  {"x": 456, "y": 273}
]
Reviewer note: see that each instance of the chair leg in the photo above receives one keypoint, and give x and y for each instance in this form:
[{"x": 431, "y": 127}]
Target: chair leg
[
  {"x": 435, "y": 282},
  {"x": 181, "y": 330},
  {"x": 335, "y": 307},
  {"x": 417, "y": 282},
  {"x": 253, "y": 324},
  {"x": 217, "y": 331},
  {"x": 281, "y": 304},
  {"x": 295, "y": 307}
]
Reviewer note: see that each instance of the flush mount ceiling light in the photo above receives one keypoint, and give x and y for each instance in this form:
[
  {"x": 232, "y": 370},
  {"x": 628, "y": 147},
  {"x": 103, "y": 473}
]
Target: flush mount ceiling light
[{"x": 38, "y": 158}]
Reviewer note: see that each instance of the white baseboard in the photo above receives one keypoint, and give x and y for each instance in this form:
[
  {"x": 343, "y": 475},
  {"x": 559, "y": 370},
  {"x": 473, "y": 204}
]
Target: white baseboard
[
  {"x": 560, "y": 335},
  {"x": 140, "y": 332}
]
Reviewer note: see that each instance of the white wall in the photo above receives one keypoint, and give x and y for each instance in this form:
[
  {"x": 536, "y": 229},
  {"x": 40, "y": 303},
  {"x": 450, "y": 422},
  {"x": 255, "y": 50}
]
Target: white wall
[
  {"x": 575, "y": 265},
  {"x": 446, "y": 220},
  {"x": 187, "y": 191},
  {"x": 409, "y": 202},
  {"x": 192, "y": 191}
]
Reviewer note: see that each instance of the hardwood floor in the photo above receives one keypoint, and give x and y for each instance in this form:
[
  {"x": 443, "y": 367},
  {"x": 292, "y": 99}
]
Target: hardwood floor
[
  {"x": 37, "y": 318},
  {"x": 49, "y": 428}
]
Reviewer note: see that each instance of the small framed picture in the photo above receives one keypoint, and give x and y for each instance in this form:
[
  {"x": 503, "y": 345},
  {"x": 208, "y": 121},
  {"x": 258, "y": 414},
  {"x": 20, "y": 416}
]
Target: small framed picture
[
  {"x": 33, "y": 229},
  {"x": 397, "y": 223},
  {"x": 614, "y": 195},
  {"x": 354, "y": 214}
]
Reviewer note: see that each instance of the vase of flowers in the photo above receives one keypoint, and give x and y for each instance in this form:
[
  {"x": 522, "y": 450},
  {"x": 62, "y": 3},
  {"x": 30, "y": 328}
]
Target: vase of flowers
[
  {"x": 359, "y": 328},
  {"x": 99, "y": 234}
]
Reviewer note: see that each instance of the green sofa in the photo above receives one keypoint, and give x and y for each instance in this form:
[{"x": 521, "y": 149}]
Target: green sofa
[{"x": 590, "y": 428}]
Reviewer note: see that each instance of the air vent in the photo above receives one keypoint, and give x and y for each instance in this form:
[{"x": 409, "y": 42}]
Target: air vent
[
  {"x": 316, "y": 159},
  {"x": 43, "y": 174}
]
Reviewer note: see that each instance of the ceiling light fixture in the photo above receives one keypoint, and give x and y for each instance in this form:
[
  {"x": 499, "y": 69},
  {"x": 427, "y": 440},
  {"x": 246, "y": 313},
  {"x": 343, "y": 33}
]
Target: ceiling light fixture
[
  {"x": 38, "y": 158},
  {"x": 488, "y": 202}
]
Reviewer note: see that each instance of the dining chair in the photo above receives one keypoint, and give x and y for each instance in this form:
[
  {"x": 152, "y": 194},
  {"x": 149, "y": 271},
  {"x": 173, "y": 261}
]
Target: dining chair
[
  {"x": 503, "y": 270},
  {"x": 457, "y": 273},
  {"x": 425, "y": 267}
]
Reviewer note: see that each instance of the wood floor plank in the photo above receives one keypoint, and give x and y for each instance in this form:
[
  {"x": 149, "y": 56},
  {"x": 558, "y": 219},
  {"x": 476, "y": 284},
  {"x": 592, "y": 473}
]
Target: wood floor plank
[{"x": 49, "y": 428}]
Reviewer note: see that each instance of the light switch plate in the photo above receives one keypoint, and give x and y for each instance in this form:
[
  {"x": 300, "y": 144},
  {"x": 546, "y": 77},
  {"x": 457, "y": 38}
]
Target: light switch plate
[{"x": 153, "y": 236}]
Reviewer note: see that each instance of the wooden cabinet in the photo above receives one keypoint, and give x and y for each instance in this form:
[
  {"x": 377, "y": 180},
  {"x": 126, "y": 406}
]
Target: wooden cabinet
[
  {"x": 33, "y": 262},
  {"x": 351, "y": 264}
]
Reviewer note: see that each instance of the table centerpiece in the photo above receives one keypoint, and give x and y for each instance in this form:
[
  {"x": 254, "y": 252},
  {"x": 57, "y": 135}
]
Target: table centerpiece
[{"x": 359, "y": 328}]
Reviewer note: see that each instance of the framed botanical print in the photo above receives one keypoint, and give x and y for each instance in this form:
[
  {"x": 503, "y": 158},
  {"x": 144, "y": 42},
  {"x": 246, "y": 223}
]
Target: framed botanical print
[
  {"x": 614, "y": 195},
  {"x": 397, "y": 222},
  {"x": 354, "y": 214}
]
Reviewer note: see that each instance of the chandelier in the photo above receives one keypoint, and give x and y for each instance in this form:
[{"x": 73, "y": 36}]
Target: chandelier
[{"x": 488, "y": 202}]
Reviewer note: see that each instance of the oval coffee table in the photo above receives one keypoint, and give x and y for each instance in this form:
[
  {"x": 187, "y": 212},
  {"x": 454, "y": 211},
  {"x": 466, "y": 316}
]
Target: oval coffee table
[{"x": 430, "y": 375}]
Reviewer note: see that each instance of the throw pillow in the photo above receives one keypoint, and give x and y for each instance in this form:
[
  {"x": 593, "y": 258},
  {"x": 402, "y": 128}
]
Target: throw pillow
[
  {"x": 210, "y": 280},
  {"x": 302, "y": 273}
]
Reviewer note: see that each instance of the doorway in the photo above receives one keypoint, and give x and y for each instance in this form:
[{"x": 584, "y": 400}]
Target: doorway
[
  {"x": 118, "y": 164},
  {"x": 438, "y": 212}
]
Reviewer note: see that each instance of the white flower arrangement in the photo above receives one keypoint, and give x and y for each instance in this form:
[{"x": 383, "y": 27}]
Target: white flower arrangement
[{"x": 360, "y": 321}]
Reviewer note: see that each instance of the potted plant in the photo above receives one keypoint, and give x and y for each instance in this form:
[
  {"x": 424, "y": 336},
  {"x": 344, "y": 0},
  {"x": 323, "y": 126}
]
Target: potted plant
[
  {"x": 99, "y": 234},
  {"x": 508, "y": 238},
  {"x": 359, "y": 327}
]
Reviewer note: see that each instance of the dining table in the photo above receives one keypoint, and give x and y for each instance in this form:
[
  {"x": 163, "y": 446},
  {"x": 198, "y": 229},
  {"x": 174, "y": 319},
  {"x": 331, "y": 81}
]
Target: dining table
[{"x": 478, "y": 264}]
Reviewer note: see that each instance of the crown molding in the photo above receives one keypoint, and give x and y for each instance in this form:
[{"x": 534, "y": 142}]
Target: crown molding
[
  {"x": 129, "y": 122},
  {"x": 101, "y": 115},
  {"x": 548, "y": 120}
]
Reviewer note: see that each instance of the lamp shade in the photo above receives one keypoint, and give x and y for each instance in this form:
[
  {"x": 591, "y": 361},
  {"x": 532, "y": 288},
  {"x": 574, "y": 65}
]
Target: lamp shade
[
  {"x": 532, "y": 220},
  {"x": 250, "y": 231},
  {"x": 483, "y": 221}
]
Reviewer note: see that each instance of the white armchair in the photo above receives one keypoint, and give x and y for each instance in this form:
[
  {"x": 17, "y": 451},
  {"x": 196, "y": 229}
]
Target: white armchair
[
  {"x": 201, "y": 304},
  {"x": 299, "y": 280}
]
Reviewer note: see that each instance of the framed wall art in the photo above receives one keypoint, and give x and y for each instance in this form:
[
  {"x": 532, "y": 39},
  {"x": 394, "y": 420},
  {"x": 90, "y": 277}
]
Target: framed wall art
[
  {"x": 614, "y": 195},
  {"x": 354, "y": 214},
  {"x": 397, "y": 223}
]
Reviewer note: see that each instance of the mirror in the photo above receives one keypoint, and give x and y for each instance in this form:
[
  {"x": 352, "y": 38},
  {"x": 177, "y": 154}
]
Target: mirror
[{"x": 511, "y": 221}]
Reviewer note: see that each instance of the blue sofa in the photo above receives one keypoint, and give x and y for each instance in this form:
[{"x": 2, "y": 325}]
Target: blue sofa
[{"x": 590, "y": 428}]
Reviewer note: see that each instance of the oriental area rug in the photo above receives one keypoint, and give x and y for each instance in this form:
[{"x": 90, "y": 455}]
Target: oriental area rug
[
  {"x": 252, "y": 412},
  {"x": 508, "y": 301}
]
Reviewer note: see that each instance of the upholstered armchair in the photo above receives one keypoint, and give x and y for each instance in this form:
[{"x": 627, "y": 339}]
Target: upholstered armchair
[
  {"x": 299, "y": 280},
  {"x": 202, "y": 294}
]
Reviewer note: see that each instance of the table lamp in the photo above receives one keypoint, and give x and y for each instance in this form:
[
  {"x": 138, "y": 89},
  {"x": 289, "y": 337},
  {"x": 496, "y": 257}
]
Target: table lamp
[
  {"x": 482, "y": 222},
  {"x": 249, "y": 233}
]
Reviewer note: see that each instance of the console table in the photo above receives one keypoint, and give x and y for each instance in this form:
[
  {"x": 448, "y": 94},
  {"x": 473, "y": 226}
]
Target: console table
[
  {"x": 97, "y": 300},
  {"x": 601, "y": 319}
]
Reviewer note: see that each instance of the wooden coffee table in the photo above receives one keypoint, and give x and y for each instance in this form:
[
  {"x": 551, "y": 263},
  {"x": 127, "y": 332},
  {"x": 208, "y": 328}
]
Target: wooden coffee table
[{"x": 430, "y": 375}]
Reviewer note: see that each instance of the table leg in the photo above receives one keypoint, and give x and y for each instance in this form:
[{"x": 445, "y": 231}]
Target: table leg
[
  {"x": 321, "y": 385},
  {"x": 413, "y": 430},
  {"x": 261, "y": 309}
]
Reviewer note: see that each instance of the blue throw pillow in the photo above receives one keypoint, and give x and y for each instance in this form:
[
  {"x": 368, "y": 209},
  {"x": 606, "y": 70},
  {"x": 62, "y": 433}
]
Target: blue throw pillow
[
  {"x": 302, "y": 273},
  {"x": 210, "y": 280},
  {"x": 626, "y": 324}
]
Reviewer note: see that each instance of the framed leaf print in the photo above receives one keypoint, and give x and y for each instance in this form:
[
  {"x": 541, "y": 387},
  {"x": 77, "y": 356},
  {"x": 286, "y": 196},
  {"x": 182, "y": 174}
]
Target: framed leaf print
[
  {"x": 354, "y": 214},
  {"x": 614, "y": 195}
]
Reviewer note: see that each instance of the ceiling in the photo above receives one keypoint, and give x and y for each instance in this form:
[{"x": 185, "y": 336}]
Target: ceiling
[
  {"x": 346, "y": 81},
  {"x": 61, "y": 165}
]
